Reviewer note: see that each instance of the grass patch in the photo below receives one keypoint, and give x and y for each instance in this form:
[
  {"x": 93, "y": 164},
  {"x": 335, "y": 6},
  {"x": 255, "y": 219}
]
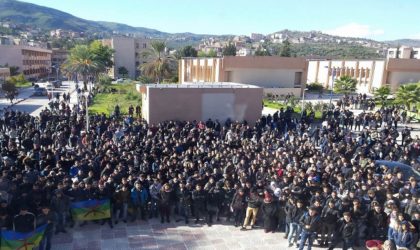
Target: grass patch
[
  {"x": 125, "y": 95},
  {"x": 23, "y": 84},
  {"x": 297, "y": 109}
]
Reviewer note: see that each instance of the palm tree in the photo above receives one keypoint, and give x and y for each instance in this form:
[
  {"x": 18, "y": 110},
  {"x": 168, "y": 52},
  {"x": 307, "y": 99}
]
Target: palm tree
[
  {"x": 160, "y": 64},
  {"x": 381, "y": 94},
  {"x": 408, "y": 94},
  {"x": 82, "y": 61},
  {"x": 345, "y": 85}
]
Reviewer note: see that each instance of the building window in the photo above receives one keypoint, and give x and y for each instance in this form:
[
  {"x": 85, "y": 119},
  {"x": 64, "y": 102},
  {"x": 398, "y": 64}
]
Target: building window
[
  {"x": 298, "y": 79},
  {"x": 137, "y": 46},
  {"x": 144, "y": 45}
]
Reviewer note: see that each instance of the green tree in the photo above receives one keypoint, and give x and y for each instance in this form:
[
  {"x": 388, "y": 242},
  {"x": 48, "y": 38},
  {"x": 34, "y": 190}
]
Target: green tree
[
  {"x": 345, "y": 85},
  {"x": 123, "y": 71},
  {"x": 9, "y": 89},
  {"x": 229, "y": 50},
  {"x": 101, "y": 54},
  {"x": 285, "y": 49},
  {"x": 262, "y": 52},
  {"x": 381, "y": 94},
  {"x": 211, "y": 53},
  {"x": 159, "y": 64},
  {"x": 408, "y": 94},
  {"x": 14, "y": 70},
  {"x": 82, "y": 61},
  {"x": 188, "y": 51}
]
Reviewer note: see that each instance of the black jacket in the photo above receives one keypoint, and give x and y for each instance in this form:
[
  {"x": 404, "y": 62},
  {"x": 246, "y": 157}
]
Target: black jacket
[
  {"x": 24, "y": 223},
  {"x": 310, "y": 223},
  {"x": 199, "y": 198},
  {"x": 347, "y": 230},
  {"x": 329, "y": 215},
  {"x": 184, "y": 197}
]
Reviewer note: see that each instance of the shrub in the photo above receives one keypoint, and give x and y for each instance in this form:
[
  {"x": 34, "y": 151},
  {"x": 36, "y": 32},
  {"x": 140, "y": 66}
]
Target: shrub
[{"x": 315, "y": 86}]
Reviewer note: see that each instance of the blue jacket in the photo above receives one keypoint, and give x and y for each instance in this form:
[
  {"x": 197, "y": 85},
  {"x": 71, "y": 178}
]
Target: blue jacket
[
  {"x": 403, "y": 239},
  {"x": 139, "y": 197}
]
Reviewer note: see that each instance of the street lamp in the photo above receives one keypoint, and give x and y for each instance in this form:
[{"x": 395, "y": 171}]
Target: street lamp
[
  {"x": 56, "y": 70},
  {"x": 333, "y": 72},
  {"x": 303, "y": 101},
  {"x": 86, "y": 94}
]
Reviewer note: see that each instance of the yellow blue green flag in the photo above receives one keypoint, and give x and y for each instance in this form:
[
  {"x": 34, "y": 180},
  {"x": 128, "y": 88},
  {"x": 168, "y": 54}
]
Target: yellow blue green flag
[
  {"x": 11, "y": 240},
  {"x": 91, "y": 209}
]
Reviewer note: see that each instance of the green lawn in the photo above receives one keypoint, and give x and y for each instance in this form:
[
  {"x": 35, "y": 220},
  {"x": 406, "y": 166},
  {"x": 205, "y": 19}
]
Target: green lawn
[
  {"x": 23, "y": 84},
  {"x": 297, "y": 109},
  {"x": 125, "y": 96}
]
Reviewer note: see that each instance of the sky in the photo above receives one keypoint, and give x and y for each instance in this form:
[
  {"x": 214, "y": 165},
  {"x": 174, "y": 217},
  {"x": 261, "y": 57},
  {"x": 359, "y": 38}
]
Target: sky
[{"x": 376, "y": 19}]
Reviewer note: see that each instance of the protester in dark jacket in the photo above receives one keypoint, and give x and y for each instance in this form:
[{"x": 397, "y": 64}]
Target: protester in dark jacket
[
  {"x": 310, "y": 223},
  {"x": 25, "y": 221},
  {"x": 199, "y": 197},
  {"x": 346, "y": 232},
  {"x": 269, "y": 212},
  {"x": 49, "y": 218},
  {"x": 165, "y": 203},
  {"x": 238, "y": 206},
  {"x": 329, "y": 217},
  {"x": 184, "y": 197},
  {"x": 377, "y": 223},
  {"x": 60, "y": 204}
]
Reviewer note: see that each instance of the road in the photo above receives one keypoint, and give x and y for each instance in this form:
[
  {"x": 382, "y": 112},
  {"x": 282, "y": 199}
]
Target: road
[{"x": 35, "y": 104}]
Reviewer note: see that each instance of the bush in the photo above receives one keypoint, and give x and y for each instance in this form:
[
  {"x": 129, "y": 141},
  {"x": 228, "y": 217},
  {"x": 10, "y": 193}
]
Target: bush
[{"x": 315, "y": 86}]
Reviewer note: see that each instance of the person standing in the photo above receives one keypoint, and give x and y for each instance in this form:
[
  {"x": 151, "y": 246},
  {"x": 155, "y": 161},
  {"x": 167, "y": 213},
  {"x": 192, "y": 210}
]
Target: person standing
[
  {"x": 310, "y": 223},
  {"x": 122, "y": 199},
  {"x": 185, "y": 201},
  {"x": 199, "y": 197},
  {"x": 48, "y": 217},
  {"x": 238, "y": 206},
  {"x": 346, "y": 232},
  {"x": 165, "y": 203},
  {"x": 60, "y": 203},
  {"x": 25, "y": 221},
  {"x": 254, "y": 203},
  {"x": 269, "y": 212},
  {"x": 139, "y": 198}
]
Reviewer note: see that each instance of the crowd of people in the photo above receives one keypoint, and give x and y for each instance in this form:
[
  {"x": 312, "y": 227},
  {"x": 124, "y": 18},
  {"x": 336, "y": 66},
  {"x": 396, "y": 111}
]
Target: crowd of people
[{"x": 311, "y": 180}]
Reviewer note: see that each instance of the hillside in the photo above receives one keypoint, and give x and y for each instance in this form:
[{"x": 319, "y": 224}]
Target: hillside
[
  {"x": 44, "y": 17},
  {"x": 35, "y": 16}
]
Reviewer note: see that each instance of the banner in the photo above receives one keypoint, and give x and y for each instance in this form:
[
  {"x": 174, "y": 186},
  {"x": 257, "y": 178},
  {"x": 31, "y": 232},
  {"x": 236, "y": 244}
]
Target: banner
[
  {"x": 91, "y": 210},
  {"x": 11, "y": 240}
]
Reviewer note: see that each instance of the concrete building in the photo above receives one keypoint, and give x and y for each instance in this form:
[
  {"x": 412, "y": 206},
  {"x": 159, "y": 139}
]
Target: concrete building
[
  {"x": 58, "y": 57},
  {"x": 33, "y": 62},
  {"x": 404, "y": 52},
  {"x": 200, "y": 102},
  {"x": 128, "y": 53},
  {"x": 370, "y": 74},
  {"x": 277, "y": 75}
]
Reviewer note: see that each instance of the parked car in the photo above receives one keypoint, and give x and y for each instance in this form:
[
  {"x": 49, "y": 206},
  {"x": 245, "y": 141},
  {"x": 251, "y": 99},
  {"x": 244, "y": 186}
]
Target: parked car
[
  {"x": 407, "y": 170},
  {"x": 56, "y": 84},
  {"x": 40, "y": 92}
]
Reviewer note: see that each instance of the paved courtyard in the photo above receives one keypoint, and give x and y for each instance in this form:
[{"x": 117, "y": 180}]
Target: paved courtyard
[{"x": 154, "y": 235}]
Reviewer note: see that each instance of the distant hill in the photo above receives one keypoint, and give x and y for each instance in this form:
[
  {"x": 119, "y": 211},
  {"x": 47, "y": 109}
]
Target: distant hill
[
  {"x": 406, "y": 42},
  {"x": 35, "y": 16},
  {"x": 44, "y": 17}
]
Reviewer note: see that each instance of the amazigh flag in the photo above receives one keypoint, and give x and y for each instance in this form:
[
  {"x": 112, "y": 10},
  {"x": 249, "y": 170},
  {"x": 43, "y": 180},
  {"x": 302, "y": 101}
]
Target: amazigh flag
[
  {"x": 91, "y": 209},
  {"x": 11, "y": 240}
]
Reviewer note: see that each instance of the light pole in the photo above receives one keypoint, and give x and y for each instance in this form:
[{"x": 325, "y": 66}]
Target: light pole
[
  {"x": 303, "y": 101},
  {"x": 56, "y": 71},
  {"x": 332, "y": 83},
  {"x": 87, "y": 111}
]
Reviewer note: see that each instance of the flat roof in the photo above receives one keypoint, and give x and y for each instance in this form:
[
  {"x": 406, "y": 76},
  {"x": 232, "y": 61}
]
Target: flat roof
[{"x": 201, "y": 85}]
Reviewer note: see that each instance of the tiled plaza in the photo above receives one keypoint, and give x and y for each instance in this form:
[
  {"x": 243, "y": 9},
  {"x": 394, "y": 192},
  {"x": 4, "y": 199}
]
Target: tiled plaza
[{"x": 154, "y": 235}]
